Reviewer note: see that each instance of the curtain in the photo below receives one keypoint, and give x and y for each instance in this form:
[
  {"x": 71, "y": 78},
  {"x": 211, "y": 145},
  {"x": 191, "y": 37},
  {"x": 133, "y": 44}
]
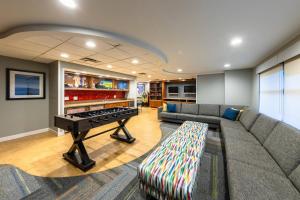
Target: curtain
[
  {"x": 291, "y": 114},
  {"x": 271, "y": 92}
]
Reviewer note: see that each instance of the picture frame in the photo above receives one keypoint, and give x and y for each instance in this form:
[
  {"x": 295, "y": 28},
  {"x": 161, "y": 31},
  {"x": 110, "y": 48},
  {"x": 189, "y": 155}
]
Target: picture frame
[{"x": 25, "y": 85}]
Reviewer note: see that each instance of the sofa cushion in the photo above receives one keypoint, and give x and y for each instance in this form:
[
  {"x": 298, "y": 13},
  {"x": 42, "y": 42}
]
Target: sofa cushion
[
  {"x": 247, "y": 182},
  {"x": 168, "y": 115},
  {"x": 262, "y": 127},
  {"x": 209, "y": 109},
  {"x": 232, "y": 134},
  {"x": 224, "y": 107},
  {"x": 208, "y": 119},
  {"x": 186, "y": 117},
  {"x": 295, "y": 177},
  {"x": 199, "y": 118},
  {"x": 189, "y": 108},
  {"x": 231, "y": 114},
  {"x": 248, "y": 118},
  {"x": 251, "y": 154},
  {"x": 225, "y": 123},
  {"x": 284, "y": 145}
]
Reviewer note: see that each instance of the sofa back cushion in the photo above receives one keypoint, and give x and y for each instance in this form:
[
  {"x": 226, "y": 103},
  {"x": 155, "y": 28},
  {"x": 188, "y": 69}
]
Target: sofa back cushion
[
  {"x": 295, "y": 177},
  {"x": 209, "y": 109},
  {"x": 248, "y": 118},
  {"x": 178, "y": 107},
  {"x": 284, "y": 146},
  {"x": 189, "y": 108},
  {"x": 224, "y": 107},
  {"x": 171, "y": 107},
  {"x": 262, "y": 127}
]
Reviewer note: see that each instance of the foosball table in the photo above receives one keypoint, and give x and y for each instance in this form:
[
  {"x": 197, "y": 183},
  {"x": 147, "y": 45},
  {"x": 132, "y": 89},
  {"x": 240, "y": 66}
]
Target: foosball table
[{"x": 79, "y": 125}]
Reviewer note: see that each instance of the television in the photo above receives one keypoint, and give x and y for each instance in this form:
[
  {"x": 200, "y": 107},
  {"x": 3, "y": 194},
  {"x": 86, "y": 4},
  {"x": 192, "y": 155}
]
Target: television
[
  {"x": 173, "y": 90},
  {"x": 122, "y": 85},
  {"x": 104, "y": 84},
  {"x": 189, "y": 89}
]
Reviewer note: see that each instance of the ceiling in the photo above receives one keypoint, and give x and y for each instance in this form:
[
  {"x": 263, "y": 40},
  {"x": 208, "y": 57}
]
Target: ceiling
[
  {"x": 113, "y": 55},
  {"x": 194, "y": 35}
]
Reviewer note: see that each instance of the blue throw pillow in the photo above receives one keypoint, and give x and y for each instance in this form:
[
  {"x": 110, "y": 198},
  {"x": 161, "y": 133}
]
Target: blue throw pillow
[
  {"x": 171, "y": 107},
  {"x": 231, "y": 114}
]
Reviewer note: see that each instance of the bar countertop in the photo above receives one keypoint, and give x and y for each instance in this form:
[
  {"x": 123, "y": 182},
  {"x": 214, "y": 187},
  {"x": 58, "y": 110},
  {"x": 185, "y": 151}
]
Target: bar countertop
[{"x": 72, "y": 104}]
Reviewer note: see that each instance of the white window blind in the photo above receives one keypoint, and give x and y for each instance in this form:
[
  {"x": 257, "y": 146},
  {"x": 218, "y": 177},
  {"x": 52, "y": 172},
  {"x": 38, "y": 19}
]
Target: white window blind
[
  {"x": 271, "y": 92},
  {"x": 291, "y": 114}
]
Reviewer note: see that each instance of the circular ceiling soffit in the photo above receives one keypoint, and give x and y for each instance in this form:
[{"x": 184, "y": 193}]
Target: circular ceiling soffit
[{"x": 87, "y": 32}]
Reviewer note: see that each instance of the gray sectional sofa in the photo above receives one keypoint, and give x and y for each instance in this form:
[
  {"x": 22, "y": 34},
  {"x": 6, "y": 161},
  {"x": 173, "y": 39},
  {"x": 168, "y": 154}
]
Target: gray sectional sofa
[{"x": 262, "y": 154}]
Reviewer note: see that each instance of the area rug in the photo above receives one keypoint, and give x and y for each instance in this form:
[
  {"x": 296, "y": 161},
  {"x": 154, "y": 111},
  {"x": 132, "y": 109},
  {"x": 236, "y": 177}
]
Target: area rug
[{"x": 117, "y": 183}]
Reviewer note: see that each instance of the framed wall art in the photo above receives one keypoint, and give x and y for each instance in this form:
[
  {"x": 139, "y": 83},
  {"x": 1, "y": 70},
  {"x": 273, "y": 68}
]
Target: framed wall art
[{"x": 24, "y": 85}]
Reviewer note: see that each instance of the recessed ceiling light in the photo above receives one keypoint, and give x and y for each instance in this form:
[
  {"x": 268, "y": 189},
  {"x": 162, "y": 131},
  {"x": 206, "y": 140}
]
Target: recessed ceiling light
[
  {"x": 179, "y": 70},
  {"x": 135, "y": 61},
  {"x": 236, "y": 41},
  {"x": 69, "y": 3},
  {"x": 227, "y": 65},
  {"x": 64, "y": 55},
  {"x": 109, "y": 66},
  {"x": 134, "y": 72},
  {"x": 179, "y": 78},
  {"x": 149, "y": 76},
  {"x": 90, "y": 44}
]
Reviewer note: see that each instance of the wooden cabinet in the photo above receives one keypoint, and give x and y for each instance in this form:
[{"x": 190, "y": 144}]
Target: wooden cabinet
[
  {"x": 156, "y": 93},
  {"x": 120, "y": 104},
  {"x": 155, "y": 103}
]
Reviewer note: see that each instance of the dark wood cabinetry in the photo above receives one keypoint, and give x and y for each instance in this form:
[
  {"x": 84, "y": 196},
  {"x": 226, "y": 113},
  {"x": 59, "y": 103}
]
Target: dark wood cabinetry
[{"x": 156, "y": 94}]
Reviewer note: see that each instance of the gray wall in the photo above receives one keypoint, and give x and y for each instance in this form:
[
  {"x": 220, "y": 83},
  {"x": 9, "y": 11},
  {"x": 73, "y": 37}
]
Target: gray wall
[
  {"x": 238, "y": 87},
  {"x": 255, "y": 91},
  {"x": 53, "y": 94},
  {"x": 211, "y": 89},
  {"x": 20, "y": 116}
]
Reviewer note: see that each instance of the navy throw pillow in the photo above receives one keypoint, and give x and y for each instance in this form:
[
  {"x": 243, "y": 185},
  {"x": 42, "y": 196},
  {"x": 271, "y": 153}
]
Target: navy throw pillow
[
  {"x": 231, "y": 114},
  {"x": 171, "y": 107}
]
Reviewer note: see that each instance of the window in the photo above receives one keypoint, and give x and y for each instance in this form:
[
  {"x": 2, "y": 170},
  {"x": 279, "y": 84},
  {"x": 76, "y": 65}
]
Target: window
[
  {"x": 291, "y": 114},
  {"x": 280, "y": 92},
  {"x": 271, "y": 92}
]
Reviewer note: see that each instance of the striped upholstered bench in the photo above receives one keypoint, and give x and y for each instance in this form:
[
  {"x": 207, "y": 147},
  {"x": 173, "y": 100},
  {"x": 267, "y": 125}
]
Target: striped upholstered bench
[{"x": 170, "y": 171}]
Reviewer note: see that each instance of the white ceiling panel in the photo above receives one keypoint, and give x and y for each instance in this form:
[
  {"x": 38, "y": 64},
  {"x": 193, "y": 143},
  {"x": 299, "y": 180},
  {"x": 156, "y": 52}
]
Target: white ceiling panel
[
  {"x": 75, "y": 50},
  {"x": 56, "y": 55},
  {"x": 103, "y": 58},
  {"x": 81, "y": 42},
  {"x": 116, "y": 53},
  {"x": 46, "y": 41}
]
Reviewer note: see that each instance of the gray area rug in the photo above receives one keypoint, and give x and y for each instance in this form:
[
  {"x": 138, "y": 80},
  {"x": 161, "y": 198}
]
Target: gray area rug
[{"x": 117, "y": 183}]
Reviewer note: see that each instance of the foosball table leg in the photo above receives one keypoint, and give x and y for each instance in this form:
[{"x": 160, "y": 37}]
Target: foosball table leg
[
  {"x": 82, "y": 160},
  {"x": 124, "y": 138}
]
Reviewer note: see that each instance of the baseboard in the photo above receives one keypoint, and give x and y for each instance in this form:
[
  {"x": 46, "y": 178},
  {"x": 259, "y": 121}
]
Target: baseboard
[{"x": 20, "y": 135}]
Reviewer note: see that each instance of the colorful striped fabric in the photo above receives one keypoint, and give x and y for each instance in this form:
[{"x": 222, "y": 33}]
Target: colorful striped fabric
[{"x": 169, "y": 172}]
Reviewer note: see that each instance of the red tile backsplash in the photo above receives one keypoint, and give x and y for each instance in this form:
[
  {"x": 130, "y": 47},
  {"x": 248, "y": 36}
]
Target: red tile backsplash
[{"x": 93, "y": 95}]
